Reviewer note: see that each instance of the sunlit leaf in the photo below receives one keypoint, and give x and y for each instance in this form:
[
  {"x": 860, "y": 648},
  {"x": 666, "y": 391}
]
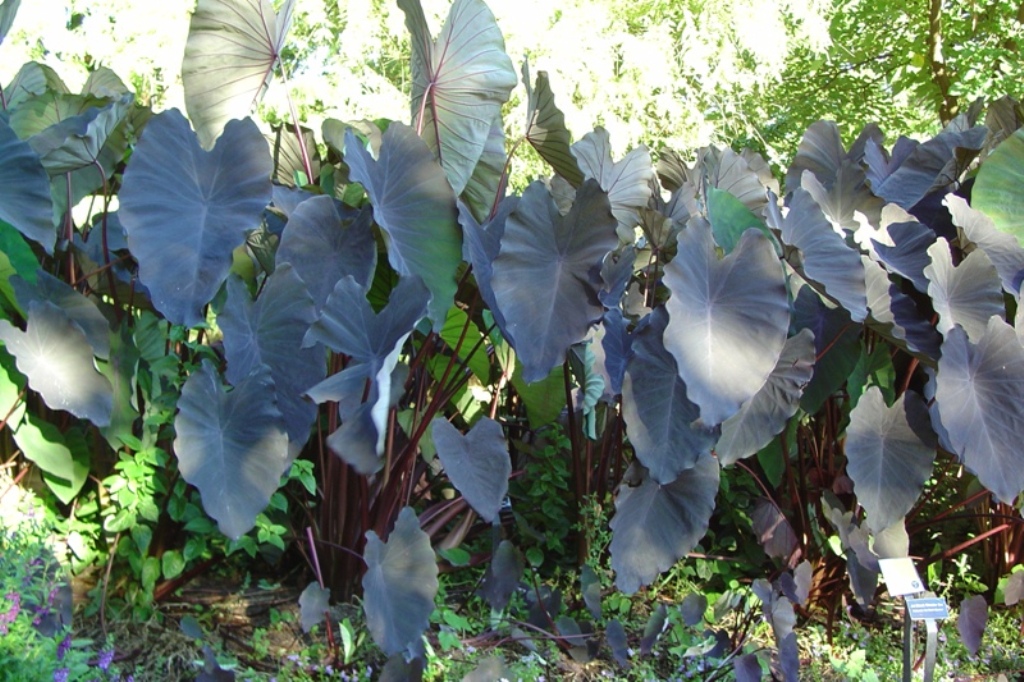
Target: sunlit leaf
[
  {"x": 232, "y": 446},
  {"x": 185, "y": 210},
  {"x": 728, "y": 319},
  {"x": 546, "y": 278},
  {"x": 477, "y": 464},
  {"x": 980, "y": 399},
  {"x": 627, "y": 181},
  {"x": 55, "y": 355},
  {"x": 655, "y": 525},
  {"x": 765, "y": 415},
  {"x": 414, "y": 205},
  {"x": 545, "y": 127},
  {"x": 966, "y": 295},
  {"x": 487, "y": 184},
  {"x": 887, "y": 459},
  {"x": 399, "y": 584},
  {"x": 1004, "y": 250},
  {"x": 233, "y": 47},
  {"x": 661, "y": 420},
  {"x": 460, "y": 81}
]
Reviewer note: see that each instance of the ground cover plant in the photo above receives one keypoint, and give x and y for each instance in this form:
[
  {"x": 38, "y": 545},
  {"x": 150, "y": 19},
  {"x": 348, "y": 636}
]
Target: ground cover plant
[{"x": 357, "y": 351}]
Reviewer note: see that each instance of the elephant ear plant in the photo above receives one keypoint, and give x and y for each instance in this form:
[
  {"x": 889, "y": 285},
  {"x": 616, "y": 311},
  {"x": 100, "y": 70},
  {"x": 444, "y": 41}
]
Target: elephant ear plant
[{"x": 399, "y": 303}]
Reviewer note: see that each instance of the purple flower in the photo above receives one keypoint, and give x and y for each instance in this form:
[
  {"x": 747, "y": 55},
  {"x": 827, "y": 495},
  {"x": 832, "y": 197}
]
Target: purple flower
[
  {"x": 105, "y": 659},
  {"x": 62, "y": 650},
  {"x": 61, "y": 675}
]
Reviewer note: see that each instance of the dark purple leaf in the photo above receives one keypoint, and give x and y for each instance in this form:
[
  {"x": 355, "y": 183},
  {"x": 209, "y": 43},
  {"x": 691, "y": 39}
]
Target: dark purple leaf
[
  {"x": 270, "y": 332},
  {"x": 747, "y": 668},
  {"x": 397, "y": 669},
  {"x": 895, "y": 315},
  {"x": 25, "y": 190},
  {"x": 728, "y": 319},
  {"x": 971, "y": 622},
  {"x": 324, "y": 245},
  {"x": 908, "y": 257},
  {"x": 489, "y": 670},
  {"x": 661, "y": 420},
  {"x": 773, "y": 530},
  {"x": 615, "y": 349},
  {"x": 81, "y": 310},
  {"x": 546, "y": 276},
  {"x": 55, "y": 355},
  {"x": 980, "y": 396},
  {"x": 481, "y": 245},
  {"x": 653, "y": 628},
  {"x": 233, "y": 47},
  {"x": 477, "y": 464},
  {"x": 313, "y": 603},
  {"x": 502, "y": 576},
  {"x": 886, "y": 458},
  {"x": 692, "y": 609},
  {"x": 616, "y": 636},
  {"x": 655, "y": 525},
  {"x": 232, "y": 445},
  {"x": 848, "y": 196},
  {"x": 591, "y": 588},
  {"x": 459, "y": 82},
  {"x": 826, "y": 257},
  {"x": 789, "y": 658},
  {"x": 820, "y": 152},
  {"x": 399, "y": 584},
  {"x": 1014, "y": 590},
  {"x": 766, "y": 414},
  {"x": 185, "y": 210},
  {"x": 414, "y": 205}
]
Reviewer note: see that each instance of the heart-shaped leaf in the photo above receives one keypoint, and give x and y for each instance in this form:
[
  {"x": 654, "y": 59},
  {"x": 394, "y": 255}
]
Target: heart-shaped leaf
[
  {"x": 232, "y": 446},
  {"x": 545, "y": 127},
  {"x": 232, "y": 49},
  {"x": 502, "y": 576},
  {"x": 414, "y": 204},
  {"x": 971, "y": 622},
  {"x": 896, "y": 316},
  {"x": 1004, "y": 250},
  {"x": 460, "y": 81},
  {"x": 655, "y": 525},
  {"x": 270, "y": 332},
  {"x": 747, "y": 668},
  {"x": 313, "y": 602},
  {"x": 324, "y": 244},
  {"x": 773, "y": 530},
  {"x": 766, "y": 414},
  {"x": 32, "y": 80},
  {"x": 728, "y": 319},
  {"x": 967, "y": 295},
  {"x": 627, "y": 181},
  {"x": 399, "y": 584},
  {"x": 185, "y": 209},
  {"x": 55, "y": 355},
  {"x": 886, "y": 458},
  {"x": 546, "y": 276},
  {"x": 848, "y": 196},
  {"x": 25, "y": 190},
  {"x": 76, "y": 142},
  {"x": 980, "y": 397},
  {"x": 820, "y": 152},
  {"x": 660, "y": 418},
  {"x": 477, "y": 464}
]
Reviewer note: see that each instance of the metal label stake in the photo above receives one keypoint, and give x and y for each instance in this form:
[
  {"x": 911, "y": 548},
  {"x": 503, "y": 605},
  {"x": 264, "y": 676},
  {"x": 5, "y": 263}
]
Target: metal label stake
[{"x": 901, "y": 579}]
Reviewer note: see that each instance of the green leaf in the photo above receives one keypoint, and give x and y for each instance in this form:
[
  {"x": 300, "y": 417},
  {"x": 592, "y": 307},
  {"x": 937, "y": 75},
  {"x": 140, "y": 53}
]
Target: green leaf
[
  {"x": 729, "y": 218},
  {"x": 120, "y": 370},
  {"x": 8, "y": 10},
  {"x": 64, "y": 459},
  {"x": 16, "y": 258},
  {"x": 233, "y": 47},
  {"x": 172, "y": 564},
  {"x": 478, "y": 361}
]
